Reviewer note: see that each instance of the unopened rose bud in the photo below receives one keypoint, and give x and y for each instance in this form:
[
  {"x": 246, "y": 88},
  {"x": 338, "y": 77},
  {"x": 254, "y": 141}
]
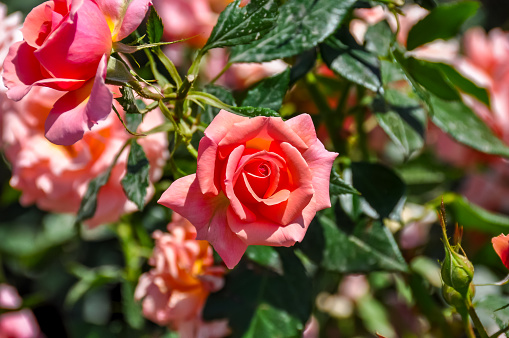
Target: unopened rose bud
[{"x": 457, "y": 271}]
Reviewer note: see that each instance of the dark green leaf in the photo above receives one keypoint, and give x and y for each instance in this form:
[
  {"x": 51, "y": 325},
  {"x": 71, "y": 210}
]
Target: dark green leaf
[
  {"x": 459, "y": 121},
  {"x": 133, "y": 121},
  {"x": 301, "y": 25},
  {"x": 443, "y": 22},
  {"x": 368, "y": 248},
  {"x": 261, "y": 303},
  {"x": 431, "y": 78},
  {"x": 378, "y": 38},
  {"x": 379, "y": 186},
  {"x": 304, "y": 63},
  {"x": 89, "y": 201},
  {"x": 127, "y": 102},
  {"x": 403, "y": 119},
  {"x": 222, "y": 94},
  {"x": 155, "y": 26},
  {"x": 269, "y": 93},
  {"x": 464, "y": 84},
  {"x": 117, "y": 73},
  {"x": 240, "y": 25},
  {"x": 135, "y": 181},
  {"x": 338, "y": 186},
  {"x": 346, "y": 58}
]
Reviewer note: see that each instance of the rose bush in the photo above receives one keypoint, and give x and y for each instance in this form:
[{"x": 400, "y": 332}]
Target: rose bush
[
  {"x": 175, "y": 290},
  {"x": 66, "y": 47},
  {"x": 259, "y": 181}
]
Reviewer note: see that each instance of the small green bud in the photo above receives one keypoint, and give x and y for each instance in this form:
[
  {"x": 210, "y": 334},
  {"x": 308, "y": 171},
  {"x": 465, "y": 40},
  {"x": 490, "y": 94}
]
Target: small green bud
[{"x": 457, "y": 271}]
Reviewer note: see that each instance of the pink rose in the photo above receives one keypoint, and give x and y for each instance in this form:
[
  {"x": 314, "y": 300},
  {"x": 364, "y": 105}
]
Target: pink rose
[
  {"x": 259, "y": 181},
  {"x": 175, "y": 290},
  {"x": 56, "y": 177},
  {"x": 10, "y": 26},
  {"x": 501, "y": 246},
  {"x": 16, "y": 324},
  {"x": 66, "y": 47}
]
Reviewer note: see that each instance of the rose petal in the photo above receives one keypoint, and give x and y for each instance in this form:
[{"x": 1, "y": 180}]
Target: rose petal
[
  {"x": 75, "y": 48},
  {"x": 35, "y": 22},
  {"x": 501, "y": 246},
  {"x": 206, "y": 168},
  {"x": 264, "y": 128},
  {"x": 231, "y": 175},
  {"x": 133, "y": 17},
  {"x": 303, "y": 126},
  {"x": 320, "y": 163},
  {"x": 264, "y": 232},
  {"x": 79, "y": 109},
  {"x": 221, "y": 124}
]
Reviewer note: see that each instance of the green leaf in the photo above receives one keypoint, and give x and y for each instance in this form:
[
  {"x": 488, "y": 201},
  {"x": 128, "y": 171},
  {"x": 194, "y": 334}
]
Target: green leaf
[
  {"x": 381, "y": 187},
  {"x": 127, "y": 102},
  {"x": 403, "y": 119},
  {"x": 135, "y": 181},
  {"x": 495, "y": 306},
  {"x": 270, "y": 92},
  {"x": 265, "y": 256},
  {"x": 346, "y": 58},
  {"x": 253, "y": 111},
  {"x": 117, "y": 73},
  {"x": 301, "y": 25},
  {"x": 337, "y": 186},
  {"x": 472, "y": 216},
  {"x": 369, "y": 247},
  {"x": 459, "y": 121},
  {"x": 443, "y": 22},
  {"x": 155, "y": 26},
  {"x": 90, "y": 279},
  {"x": 464, "y": 84},
  {"x": 431, "y": 78},
  {"x": 89, "y": 201},
  {"x": 133, "y": 121},
  {"x": 304, "y": 63},
  {"x": 261, "y": 303},
  {"x": 378, "y": 38},
  {"x": 240, "y": 25}
]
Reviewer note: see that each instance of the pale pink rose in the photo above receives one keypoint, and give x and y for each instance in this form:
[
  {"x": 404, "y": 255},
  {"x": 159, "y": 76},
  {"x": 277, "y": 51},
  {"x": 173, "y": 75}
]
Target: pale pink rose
[
  {"x": 259, "y": 181},
  {"x": 312, "y": 328},
  {"x": 66, "y": 47},
  {"x": 56, "y": 177},
  {"x": 10, "y": 33},
  {"x": 183, "y": 275},
  {"x": 16, "y": 324}
]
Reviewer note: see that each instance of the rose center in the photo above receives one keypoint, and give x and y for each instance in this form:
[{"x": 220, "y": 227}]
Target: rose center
[{"x": 264, "y": 169}]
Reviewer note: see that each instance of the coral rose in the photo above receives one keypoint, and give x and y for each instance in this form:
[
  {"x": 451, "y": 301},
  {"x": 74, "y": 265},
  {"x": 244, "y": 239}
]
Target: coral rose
[
  {"x": 175, "y": 290},
  {"x": 501, "y": 246},
  {"x": 259, "y": 181},
  {"x": 66, "y": 47},
  {"x": 56, "y": 177}
]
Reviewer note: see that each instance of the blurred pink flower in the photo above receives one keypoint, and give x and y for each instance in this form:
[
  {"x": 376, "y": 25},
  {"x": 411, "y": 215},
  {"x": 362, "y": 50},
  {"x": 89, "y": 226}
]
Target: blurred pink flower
[
  {"x": 16, "y": 324},
  {"x": 10, "y": 32},
  {"x": 175, "y": 290},
  {"x": 56, "y": 177}
]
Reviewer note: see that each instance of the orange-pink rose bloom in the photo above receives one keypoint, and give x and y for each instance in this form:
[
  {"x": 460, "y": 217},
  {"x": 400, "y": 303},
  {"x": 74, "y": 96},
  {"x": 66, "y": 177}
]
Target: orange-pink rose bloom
[
  {"x": 66, "y": 47},
  {"x": 501, "y": 246},
  {"x": 259, "y": 181},
  {"x": 183, "y": 275}
]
